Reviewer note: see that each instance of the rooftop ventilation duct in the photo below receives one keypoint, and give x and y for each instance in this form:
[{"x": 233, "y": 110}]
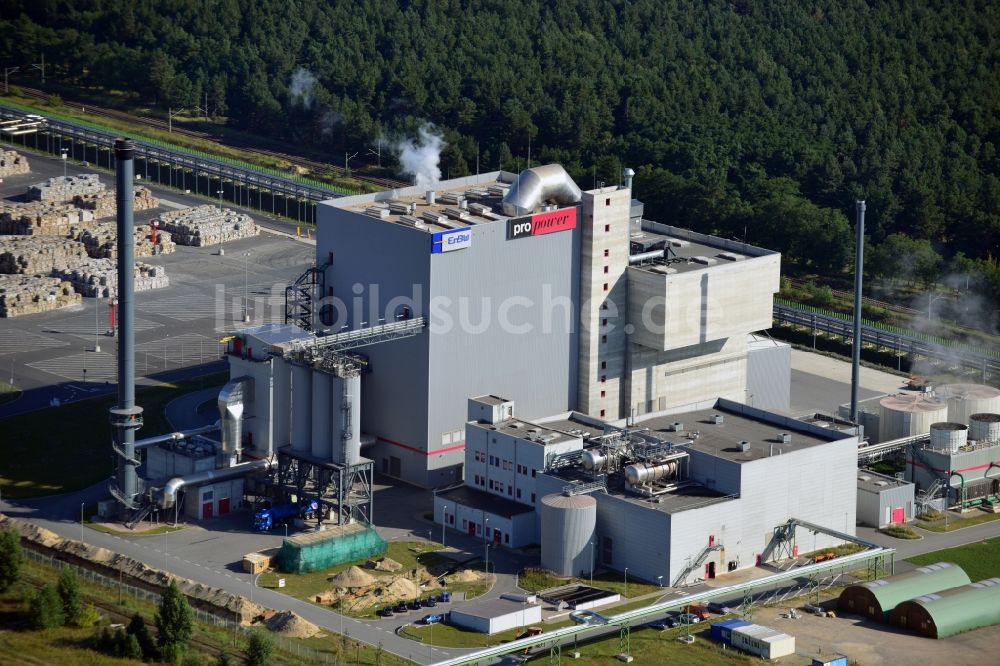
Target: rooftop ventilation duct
[
  {"x": 168, "y": 498},
  {"x": 538, "y": 185},
  {"x": 232, "y": 399}
]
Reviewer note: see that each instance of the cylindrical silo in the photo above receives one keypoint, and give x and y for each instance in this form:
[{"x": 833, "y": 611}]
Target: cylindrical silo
[
  {"x": 909, "y": 414},
  {"x": 346, "y": 419},
  {"x": 322, "y": 404},
  {"x": 950, "y": 437},
  {"x": 964, "y": 400},
  {"x": 301, "y": 408},
  {"x": 984, "y": 427},
  {"x": 282, "y": 396},
  {"x": 568, "y": 524}
]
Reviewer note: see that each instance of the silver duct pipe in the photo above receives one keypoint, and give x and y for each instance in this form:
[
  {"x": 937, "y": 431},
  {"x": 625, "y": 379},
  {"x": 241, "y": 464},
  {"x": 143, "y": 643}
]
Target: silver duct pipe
[
  {"x": 628, "y": 174},
  {"x": 232, "y": 398},
  {"x": 643, "y": 256},
  {"x": 173, "y": 486},
  {"x": 175, "y": 436},
  {"x": 537, "y": 185}
]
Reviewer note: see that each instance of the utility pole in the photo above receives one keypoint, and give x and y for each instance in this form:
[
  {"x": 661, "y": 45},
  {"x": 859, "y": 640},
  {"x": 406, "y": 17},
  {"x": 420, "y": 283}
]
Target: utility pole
[
  {"x": 40, "y": 66},
  {"x": 170, "y": 117},
  {"x": 222, "y": 252},
  {"x": 346, "y": 158},
  {"x": 377, "y": 152},
  {"x": 7, "y": 71},
  {"x": 246, "y": 290}
]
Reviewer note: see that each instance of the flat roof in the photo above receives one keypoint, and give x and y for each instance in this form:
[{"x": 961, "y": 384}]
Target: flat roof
[
  {"x": 490, "y": 399},
  {"x": 876, "y": 483},
  {"x": 537, "y": 433},
  {"x": 687, "y": 251},
  {"x": 492, "y": 608},
  {"x": 488, "y": 502},
  {"x": 723, "y": 440},
  {"x": 575, "y": 426},
  {"x": 408, "y": 206}
]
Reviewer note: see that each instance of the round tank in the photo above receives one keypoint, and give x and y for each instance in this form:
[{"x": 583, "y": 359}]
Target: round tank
[
  {"x": 964, "y": 400},
  {"x": 946, "y": 436},
  {"x": 984, "y": 427},
  {"x": 593, "y": 460},
  {"x": 909, "y": 414},
  {"x": 322, "y": 405},
  {"x": 346, "y": 390},
  {"x": 567, "y": 526},
  {"x": 648, "y": 472},
  {"x": 301, "y": 435}
]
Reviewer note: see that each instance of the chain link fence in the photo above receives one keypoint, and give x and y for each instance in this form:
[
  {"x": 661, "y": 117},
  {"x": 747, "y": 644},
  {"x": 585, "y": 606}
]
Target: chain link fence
[{"x": 287, "y": 645}]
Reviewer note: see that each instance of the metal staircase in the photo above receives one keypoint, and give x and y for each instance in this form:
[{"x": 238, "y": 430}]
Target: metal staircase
[
  {"x": 928, "y": 495},
  {"x": 302, "y": 296},
  {"x": 695, "y": 563}
]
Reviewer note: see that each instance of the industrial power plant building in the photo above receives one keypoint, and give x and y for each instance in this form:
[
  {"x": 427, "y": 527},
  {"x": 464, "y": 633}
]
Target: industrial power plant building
[
  {"x": 555, "y": 298},
  {"x": 682, "y": 494}
]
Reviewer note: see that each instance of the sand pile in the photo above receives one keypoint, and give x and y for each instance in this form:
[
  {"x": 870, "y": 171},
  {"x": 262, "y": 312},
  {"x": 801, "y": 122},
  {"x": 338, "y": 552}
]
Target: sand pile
[
  {"x": 387, "y": 564},
  {"x": 291, "y": 625},
  {"x": 353, "y": 577},
  {"x": 467, "y": 576},
  {"x": 401, "y": 588}
]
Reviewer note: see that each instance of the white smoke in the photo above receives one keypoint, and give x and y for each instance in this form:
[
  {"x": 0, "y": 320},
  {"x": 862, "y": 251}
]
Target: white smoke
[
  {"x": 301, "y": 86},
  {"x": 420, "y": 158}
]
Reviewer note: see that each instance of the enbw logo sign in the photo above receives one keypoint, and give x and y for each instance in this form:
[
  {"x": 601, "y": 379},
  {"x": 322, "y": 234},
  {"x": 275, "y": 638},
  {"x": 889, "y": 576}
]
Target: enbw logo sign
[{"x": 448, "y": 241}]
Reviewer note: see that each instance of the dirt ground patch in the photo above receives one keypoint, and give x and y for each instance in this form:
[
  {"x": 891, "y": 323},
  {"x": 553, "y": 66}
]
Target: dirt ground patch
[{"x": 873, "y": 644}]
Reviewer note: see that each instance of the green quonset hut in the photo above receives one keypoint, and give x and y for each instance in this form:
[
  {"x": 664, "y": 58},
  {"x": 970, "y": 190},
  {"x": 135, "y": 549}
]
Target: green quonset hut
[
  {"x": 949, "y": 612},
  {"x": 315, "y": 551},
  {"x": 876, "y": 599}
]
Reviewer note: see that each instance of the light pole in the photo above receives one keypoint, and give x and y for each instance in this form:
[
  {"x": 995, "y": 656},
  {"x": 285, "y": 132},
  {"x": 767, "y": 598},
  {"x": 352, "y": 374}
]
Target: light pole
[
  {"x": 931, "y": 299},
  {"x": 626, "y": 582},
  {"x": 246, "y": 288},
  {"x": 82, "y": 504},
  {"x": 97, "y": 323},
  {"x": 486, "y": 544},
  {"x": 62, "y": 155},
  {"x": 253, "y": 584},
  {"x": 7, "y": 71},
  {"x": 444, "y": 519},
  {"x": 659, "y": 580},
  {"x": 591, "y": 562},
  {"x": 221, "y": 251}
]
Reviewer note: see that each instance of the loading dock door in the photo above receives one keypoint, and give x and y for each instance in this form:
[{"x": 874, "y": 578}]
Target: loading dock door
[
  {"x": 898, "y": 515},
  {"x": 206, "y": 510},
  {"x": 223, "y": 506}
]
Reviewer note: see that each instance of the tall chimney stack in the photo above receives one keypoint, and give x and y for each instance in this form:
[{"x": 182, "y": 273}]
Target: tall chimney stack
[
  {"x": 859, "y": 267},
  {"x": 126, "y": 417}
]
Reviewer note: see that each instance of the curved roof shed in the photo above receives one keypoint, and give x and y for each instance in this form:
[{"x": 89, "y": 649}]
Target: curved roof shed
[
  {"x": 949, "y": 612},
  {"x": 876, "y": 599}
]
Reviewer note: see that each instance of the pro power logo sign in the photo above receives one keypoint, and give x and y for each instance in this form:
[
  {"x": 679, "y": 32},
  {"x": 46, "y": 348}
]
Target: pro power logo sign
[
  {"x": 542, "y": 223},
  {"x": 448, "y": 241}
]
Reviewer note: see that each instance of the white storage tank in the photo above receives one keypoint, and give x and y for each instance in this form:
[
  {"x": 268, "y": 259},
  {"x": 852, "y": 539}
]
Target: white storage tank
[
  {"x": 322, "y": 405},
  {"x": 984, "y": 427},
  {"x": 281, "y": 413},
  {"x": 301, "y": 408},
  {"x": 909, "y": 414},
  {"x": 949, "y": 437},
  {"x": 568, "y": 523},
  {"x": 346, "y": 390},
  {"x": 964, "y": 400}
]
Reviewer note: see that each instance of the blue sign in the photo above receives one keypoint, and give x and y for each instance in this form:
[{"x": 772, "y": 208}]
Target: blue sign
[{"x": 455, "y": 239}]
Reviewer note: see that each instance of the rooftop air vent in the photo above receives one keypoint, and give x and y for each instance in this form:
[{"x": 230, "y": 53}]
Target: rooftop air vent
[
  {"x": 450, "y": 198},
  {"x": 744, "y": 445},
  {"x": 864, "y": 477},
  {"x": 430, "y": 197},
  {"x": 784, "y": 437},
  {"x": 716, "y": 419},
  {"x": 705, "y": 261},
  {"x": 676, "y": 426},
  {"x": 377, "y": 211}
]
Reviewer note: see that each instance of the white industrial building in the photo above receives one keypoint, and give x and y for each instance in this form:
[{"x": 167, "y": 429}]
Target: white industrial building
[
  {"x": 763, "y": 641},
  {"x": 491, "y": 616},
  {"x": 884, "y": 500}
]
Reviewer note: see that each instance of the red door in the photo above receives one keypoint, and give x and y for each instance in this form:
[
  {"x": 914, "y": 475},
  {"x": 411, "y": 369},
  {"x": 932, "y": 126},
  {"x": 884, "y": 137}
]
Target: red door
[
  {"x": 497, "y": 536},
  {"x": 472, "y": 529},
  {"x": 223, "y": 506},
  {"x": 206, "y": 510},
  {"x": 898, "y": 515},
  {"x": 707, "y": 576},
  {"x": 711, "y": 570},
  {"x": 757, "y": 557}
]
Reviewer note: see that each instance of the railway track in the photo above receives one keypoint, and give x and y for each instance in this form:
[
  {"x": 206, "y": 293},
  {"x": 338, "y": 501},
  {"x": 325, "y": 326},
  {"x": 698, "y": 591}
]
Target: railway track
[{"x": 314, "y": 167}]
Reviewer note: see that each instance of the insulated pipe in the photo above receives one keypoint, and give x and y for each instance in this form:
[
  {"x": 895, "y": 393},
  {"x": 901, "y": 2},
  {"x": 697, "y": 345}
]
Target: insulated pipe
[
  {"x": 537, "y": 185},
  {"x": 175, "y": 436},
  {"x": 643, "y": 256},
  {"x": 859, "y": 265},
  {"x": 173, "y": 486}
]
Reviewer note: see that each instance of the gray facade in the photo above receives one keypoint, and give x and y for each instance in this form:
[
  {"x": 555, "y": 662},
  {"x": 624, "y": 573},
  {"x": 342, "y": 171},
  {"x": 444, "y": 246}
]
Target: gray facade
[
  {"x": 414, "y": 397},
  {"x": 769, "y": 373},
  {"x": 973, "y": 471}
]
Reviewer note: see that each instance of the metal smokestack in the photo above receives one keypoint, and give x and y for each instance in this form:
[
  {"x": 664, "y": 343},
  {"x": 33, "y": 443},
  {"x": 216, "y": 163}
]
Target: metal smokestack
[
  {"x": 126, "y": 417},
  {"x": 859, "y": 266},
  {"x": 628, "y": 174}
]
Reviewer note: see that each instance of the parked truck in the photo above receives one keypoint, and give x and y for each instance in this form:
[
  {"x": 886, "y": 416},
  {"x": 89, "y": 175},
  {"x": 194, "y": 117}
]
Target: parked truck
[{"x": 279, "y": 514}]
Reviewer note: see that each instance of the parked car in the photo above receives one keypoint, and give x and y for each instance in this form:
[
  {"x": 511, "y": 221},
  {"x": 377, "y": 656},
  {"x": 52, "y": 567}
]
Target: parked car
[
  {"x": 429, "y": 602},
  {"x": 401, "y": 607},
  {"x": 385, "y": 611},
  {"x": 445, "y": 597},
  {"x": 662, "y": 625},
  {"x": 719, "y": 609},
  {"x": 433, "y": 619},
  {"x": 689, "y": 618},
  {"x": 699, "y": 610},
  {"x": 414, "y": 605}
]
